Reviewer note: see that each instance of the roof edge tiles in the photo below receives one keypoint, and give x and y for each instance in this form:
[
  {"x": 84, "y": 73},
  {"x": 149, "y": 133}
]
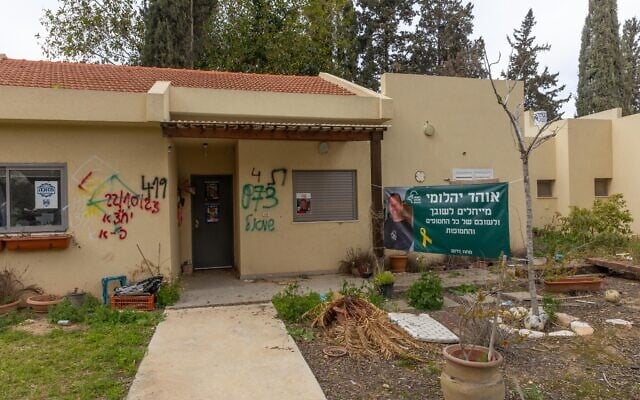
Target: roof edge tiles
[{"x": 136, "y": 79}]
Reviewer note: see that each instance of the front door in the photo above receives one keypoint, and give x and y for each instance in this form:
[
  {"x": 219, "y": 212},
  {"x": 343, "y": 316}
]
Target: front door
[{"x": 212, "y": 221}]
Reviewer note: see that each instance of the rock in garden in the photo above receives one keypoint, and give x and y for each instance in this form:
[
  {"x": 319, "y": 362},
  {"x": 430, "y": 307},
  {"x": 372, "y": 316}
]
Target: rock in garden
[
  {"x": 532, "y": 334},
  {"x": 518, "y": 312},
  {"x": 581, "y": 328},
  {"x": 612, "y": 296},
  {"x": 620, "y": 322},
  {"x": 507, "y": 329},
  {"x": 536, "y": 322},
  {"x": 563, "y": 333},
  {"x": 565, "y": 320}
]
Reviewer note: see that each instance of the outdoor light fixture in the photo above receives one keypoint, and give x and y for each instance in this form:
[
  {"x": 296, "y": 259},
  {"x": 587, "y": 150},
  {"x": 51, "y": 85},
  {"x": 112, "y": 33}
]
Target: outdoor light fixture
[
  {"x": 205, "y": 147},
  {"x": 169, "y": 148},
  {"x": 428, "y": 129},
  {"x": 323, "y": 148}
]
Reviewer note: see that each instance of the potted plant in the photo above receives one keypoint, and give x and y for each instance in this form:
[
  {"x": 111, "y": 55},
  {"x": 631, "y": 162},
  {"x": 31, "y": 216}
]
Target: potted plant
[
  {"x": 358, "y": 263},
  {"x": 384, "y": 282},
  {"x": 42, "y": 302},
  {"x": 472, "y": 367},
  {"x": 11, "y": 289},
  {"x": 562, "y": 280},
  {"x": 398, "y": 262}
]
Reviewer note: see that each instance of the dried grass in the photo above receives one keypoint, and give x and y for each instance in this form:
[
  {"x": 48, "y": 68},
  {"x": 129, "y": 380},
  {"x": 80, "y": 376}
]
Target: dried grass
[{"x": 366, "y": 330}]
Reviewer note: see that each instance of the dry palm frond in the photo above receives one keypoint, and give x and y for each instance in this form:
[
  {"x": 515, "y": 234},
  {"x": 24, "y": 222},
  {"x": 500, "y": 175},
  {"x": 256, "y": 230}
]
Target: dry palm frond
[{"x": 364, "y": 329}]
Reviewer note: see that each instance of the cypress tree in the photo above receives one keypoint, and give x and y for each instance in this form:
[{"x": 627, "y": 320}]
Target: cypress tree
[
  {"x": 380, "y": 39},
  {"x": 174, "y": 32},
  {"x": 631, "y": 58},
  {"x": 441, "y": 43},
  {"x": 541, "y": 90},
  {"x": 600, "y": 85}
]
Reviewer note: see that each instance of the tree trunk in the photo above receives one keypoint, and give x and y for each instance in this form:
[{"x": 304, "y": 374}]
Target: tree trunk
[{"x": 530, "y": 267}]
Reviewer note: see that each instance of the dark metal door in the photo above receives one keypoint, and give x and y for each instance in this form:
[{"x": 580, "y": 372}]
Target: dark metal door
[{"x": 212, "y": 221}]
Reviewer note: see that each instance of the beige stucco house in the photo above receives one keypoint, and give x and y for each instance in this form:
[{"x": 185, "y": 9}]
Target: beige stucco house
[
  {"x": 590, "y": 158},
  {"x": 216, "y": 169}
]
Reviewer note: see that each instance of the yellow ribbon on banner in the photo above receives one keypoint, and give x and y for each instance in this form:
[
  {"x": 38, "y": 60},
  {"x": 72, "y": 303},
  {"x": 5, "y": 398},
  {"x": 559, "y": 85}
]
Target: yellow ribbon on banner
[{"x": 425, "y": 238}]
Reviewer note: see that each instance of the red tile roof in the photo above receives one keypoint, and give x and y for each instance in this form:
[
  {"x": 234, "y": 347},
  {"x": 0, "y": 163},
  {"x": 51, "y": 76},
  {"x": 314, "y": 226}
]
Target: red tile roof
[{"x": 117, "y": 78}]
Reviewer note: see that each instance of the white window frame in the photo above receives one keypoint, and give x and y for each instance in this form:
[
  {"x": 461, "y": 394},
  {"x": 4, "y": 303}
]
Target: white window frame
[
  {"x": 472, "y": 174},
  {"x": 63, "y": 206}
]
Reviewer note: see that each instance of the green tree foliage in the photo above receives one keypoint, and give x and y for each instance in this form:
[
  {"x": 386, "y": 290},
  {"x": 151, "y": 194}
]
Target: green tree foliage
[
  {"x": 541, "y": 90},
  {"x": 441, "y": 43},
  {"x": 600, "y": 85},
  {"x": 631, "y": 58},
  {"x": 381, "y": 39},
  {"x": 174, "y": 32},
  {"x": 101, "y": 31}
]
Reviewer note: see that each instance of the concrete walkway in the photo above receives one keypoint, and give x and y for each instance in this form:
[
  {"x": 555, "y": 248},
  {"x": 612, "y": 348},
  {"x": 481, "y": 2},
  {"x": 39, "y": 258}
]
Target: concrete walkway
[
  {"x": 222, "y": 287},
  {"x": 235, "y": 352}
]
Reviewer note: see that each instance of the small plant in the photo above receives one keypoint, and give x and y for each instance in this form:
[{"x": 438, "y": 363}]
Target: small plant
[
  {"x": 531, "y": 392},
  {"x": 426, "y": 293},
  {"x": 291, "y": 304},
  {"x": 14, "y": 318},
  {"x": 365, "y": 291},
  {"x": 72, "y": 313},
  {"x": 550, "y": 306},
  {"x": 168, "y": 294},
  {"x": 464, "y": 289},
  {"x": 358, "y": 262},
  {"x": 300, "y": 333},
  {"x": 384, "y": 278},
  {"x": 11, "y": 287}
]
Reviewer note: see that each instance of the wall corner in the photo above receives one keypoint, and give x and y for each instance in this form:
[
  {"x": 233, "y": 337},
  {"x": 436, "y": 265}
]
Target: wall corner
[{"x": 158, "y": 101}]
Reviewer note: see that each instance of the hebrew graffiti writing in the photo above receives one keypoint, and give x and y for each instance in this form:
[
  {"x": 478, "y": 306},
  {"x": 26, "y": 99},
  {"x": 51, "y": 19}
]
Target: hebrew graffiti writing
[
  {"x": 116, "y": 203},
  {"x": 258, "y": 196},
  {"x": 276, "y": 171}
]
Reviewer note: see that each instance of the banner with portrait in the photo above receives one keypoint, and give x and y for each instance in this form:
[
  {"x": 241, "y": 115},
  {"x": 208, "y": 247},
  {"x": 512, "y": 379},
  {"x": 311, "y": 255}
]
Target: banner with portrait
[{"x": 467, "y": 220}]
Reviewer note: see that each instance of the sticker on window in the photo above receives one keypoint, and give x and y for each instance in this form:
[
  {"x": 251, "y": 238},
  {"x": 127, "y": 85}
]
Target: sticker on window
[
  {"x": 303, "y": 203},
  {"x": 46, "y": 195}
]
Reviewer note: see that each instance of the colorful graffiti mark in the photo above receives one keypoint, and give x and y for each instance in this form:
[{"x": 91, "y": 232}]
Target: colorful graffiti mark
[
  {"x": 117, "y": 203},
  {"x": 256, "y": 224}
]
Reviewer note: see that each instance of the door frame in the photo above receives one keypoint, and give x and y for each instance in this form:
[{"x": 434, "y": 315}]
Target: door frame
[{"x": 233, "y": 224}]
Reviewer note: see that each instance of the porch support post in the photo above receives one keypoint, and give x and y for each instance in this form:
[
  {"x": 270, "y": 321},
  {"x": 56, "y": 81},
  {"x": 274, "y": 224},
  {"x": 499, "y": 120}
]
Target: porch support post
[{"x": 377, "y": 217}]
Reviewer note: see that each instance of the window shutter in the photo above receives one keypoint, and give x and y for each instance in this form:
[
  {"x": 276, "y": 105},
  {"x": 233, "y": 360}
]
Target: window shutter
[{"x": 333, "y": 195}]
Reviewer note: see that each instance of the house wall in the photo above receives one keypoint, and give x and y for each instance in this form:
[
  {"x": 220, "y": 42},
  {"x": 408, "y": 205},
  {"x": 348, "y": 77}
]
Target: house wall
[
  {"x": 471, "y": 131},
  {"x": 298, "y": 247},
  {"x": 626, "y": 163},
  {"x": 100, "y": 160}
]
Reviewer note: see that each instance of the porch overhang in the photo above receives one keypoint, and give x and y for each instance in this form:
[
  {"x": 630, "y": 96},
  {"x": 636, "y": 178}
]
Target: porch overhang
[{"x": 272, "y": 131}]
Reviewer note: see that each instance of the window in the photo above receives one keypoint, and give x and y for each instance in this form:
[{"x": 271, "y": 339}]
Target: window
[
  {"x": 33, "y": 198},
  {"x": 324, "y": 196},
  {"x": 545, "y": 188},
  {"x": 601, "y": 188}
]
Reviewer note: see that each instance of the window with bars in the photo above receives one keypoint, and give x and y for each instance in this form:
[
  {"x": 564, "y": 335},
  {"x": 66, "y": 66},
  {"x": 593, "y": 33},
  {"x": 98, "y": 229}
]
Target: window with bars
[
  {"x": 33, "y": 198},
  {"x": 601, "y": 187},
  {"x": 545, "y": 187},
  {"x": 329, "y": 195}
]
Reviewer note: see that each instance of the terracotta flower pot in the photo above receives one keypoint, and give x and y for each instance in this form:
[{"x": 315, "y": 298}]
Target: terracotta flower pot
[
  {"x": 7, "y": 308},
  {"x": 398, "y": 263},
  {"x": 42, "y": 302},
  {"x": 587, "y": 283},
  {"x": 474, "y": 379}
]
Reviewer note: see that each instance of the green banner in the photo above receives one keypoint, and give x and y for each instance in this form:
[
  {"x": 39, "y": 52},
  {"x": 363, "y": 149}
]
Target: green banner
[{"x": 466, "y": 220}]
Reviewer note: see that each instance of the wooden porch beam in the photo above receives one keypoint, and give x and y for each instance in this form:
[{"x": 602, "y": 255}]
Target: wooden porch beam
[
  {"x": 320, "y": 135},
  {"x": 377, "y": 217}
]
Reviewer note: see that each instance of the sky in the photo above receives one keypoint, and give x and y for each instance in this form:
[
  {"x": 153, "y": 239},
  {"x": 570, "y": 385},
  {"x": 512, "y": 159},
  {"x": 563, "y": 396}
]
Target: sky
[{"x": 559, "y": 23}]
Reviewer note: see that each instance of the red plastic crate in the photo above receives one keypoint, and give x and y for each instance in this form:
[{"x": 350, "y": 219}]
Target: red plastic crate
[{"x": 140, "y": 303}]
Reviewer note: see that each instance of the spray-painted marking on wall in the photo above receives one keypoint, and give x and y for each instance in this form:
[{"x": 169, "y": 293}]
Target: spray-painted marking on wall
[
  {"x": 257, "y": 197},
  {"x": 118, "y": 203}
]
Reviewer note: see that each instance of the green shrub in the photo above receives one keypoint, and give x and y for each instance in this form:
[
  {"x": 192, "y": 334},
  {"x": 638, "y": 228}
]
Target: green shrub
[
  {"x": 14, "y": 318},
  {"x": 426, "y": 293},
  {"x": 67, "y": 311},
  {"x": 300, "y": 333},
  {"x": 168, "y": 294},
  {"x": 606, "y": 227},
  {"x": 291, "y": 304},
  {"x": 384, "y": 278}
]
